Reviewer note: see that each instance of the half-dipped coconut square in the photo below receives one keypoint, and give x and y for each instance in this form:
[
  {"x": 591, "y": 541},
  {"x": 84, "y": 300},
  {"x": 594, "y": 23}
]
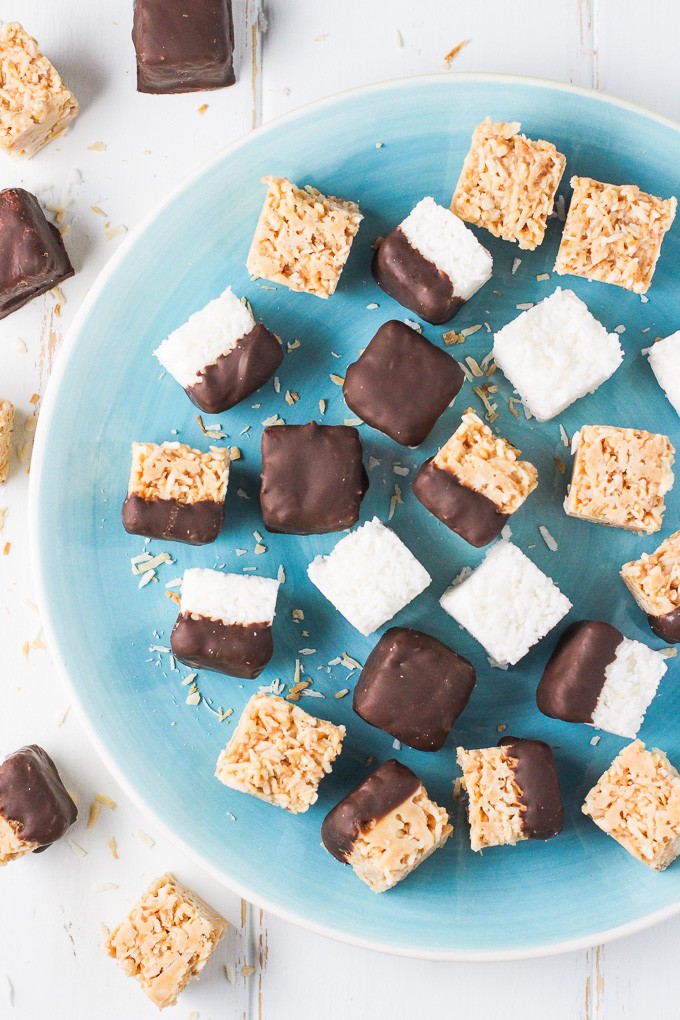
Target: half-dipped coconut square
[
  {"x": 654, "y": 583},
  {"x": 664, "y": 360},
  {"x": 35, "y": 807}
]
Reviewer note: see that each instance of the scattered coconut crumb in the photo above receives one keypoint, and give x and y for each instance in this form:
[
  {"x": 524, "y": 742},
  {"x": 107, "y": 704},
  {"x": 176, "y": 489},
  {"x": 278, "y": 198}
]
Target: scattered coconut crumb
[
  {"x": 559, "y": 463},
  {"x": 451, "y": 337},
  {"x": 113, "y": 847},
  {"x": 293, "y": 345},
  {"x": 512, "y": 406},
  {"x": 595, "y": 740},
  {"x": 470, "y": 330},
  {"x": 373, "y": 462},
  {"x": 341, "y": 694},
  {"x": 564, "y": 435},
  {"x": 524, "y": 306},
  {"x": 337, "y": 379},
  {"x": 453, "y": 53},
  {"x": 97, "y": 147},
  {"x": 516, "y": 263},
  {"x": 113, "y": 232},
  {"x": 61, "y": 718},
  {"x": 202, "y": 108},
  {"x": 491, "y": 409},
  {"x": 395, "y": 500},
  {"x": 399, "y": 39},
  {"x": 353, "y": 421},
  {"x": 413, "y": 325},
  {"x": 247, "y": 970},
  {"x": 396, "y": 744},
  {"x": 669, "y": 653},
  {"x": 400, "y": 470},
  {"x": 274, "y": 419},
  {"x": 77, "y": 848},
  {"x": 474, "y": 367},
  {"x": 242, "y": 494},
  {"x": 458, "y": 789},
  {"x": 174, "y": 597},
  {"x": 297, "y": 614},
  {"x": 322, "y": 406},
  {"x": 146, "y": 838},
  {"x": 501, "y": 728},
  {"x": 281, "y": 574},
  {"x": 372, "y": 306},
  {"x": 619, "y": 329},
  {"x": 547, "y": 538},
  {"x": 506, "y": 532}
]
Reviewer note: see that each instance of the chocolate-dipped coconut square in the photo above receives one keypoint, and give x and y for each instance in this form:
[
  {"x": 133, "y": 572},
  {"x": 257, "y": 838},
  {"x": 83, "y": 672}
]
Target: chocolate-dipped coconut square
[
  {"x": 183, "y": 47},
  {"x": 313, "y": 479},
  {"x": 35, "y": 807},
  {"x": 431, "y": 263},
  {"x": 413, "y": 687},
  {"x": 176, "y": 492},
  {"x": 598, "y": 676},
  {"x": 225, "y": 622},
  {"x": 385, "y": 827},
  {"x": 475, "y": 482},
  {"x": 33, "y": 259},
  {"x": 402, "y": 383},
  {"x": 654, "y": 583},
  {"x": 221, "y": 355},
  {"x": 513, "y": 793}
]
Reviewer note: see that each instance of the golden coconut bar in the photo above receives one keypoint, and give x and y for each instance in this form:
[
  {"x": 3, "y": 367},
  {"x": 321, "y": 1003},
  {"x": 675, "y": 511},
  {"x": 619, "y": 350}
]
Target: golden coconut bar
[
  {"x": 637, "y": 803},
  {"x": 279, "y": 753},
  {"x": 654, "y": 583},
  {"x": 166, "y": 939},
  {"x": 6, "y": 429},
  {"x": 35, "y": 105},
  {"x": 613, "y": 234},
  {"x": 302, "y": 238},
  {"x": 508, "y": 183},
  {"x": 620, "y": 477}
]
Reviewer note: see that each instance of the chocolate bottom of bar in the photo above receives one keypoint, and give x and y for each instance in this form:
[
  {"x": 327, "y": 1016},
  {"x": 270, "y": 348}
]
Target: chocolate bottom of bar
[
  {"x": 473, "y": 516},
  {"x": 667, "y": 627},
  {"x": 194, "y": 523},
  {"x": 390, "y": 785},
  {"x": 33, "y": 796},
  {"x": 412, "y": 280},
  {"x": 234, "y": 649},
  {"x": 576, "y": 671},
  {"x": 164, "y": 79},
  {"x": 536, "y": 777},
  {"x": 237, "y": 375}
]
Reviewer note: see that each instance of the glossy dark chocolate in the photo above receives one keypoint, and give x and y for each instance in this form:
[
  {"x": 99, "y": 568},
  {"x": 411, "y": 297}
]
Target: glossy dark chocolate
[
  {"x": 536, "y": 777},
  {"x": 667, "y": 627},
  {"x": 194, "y": 523},
  {"x": 33, "y": 796},
  {"x": 402, "y": 383},
  {"x": 183, "y": 45},
  {"x": 33, "y": 259},
  {"x": 313, "y": 480},
  {"x": 234, "y": 649},
  {"x": 412, "y": 280},
  {"x": 470, "y": 514},
  {"x": 413, "y": 687},
  {"x": 390, "y": 785},
  {"x": 575, "y": 674},
  {"x": 237, "y": 375}
]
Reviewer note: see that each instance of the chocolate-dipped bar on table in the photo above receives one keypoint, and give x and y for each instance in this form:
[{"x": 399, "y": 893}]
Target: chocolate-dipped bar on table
[
  {"x": 654, "y": 583},
  {"x": 35, "y": 807}
]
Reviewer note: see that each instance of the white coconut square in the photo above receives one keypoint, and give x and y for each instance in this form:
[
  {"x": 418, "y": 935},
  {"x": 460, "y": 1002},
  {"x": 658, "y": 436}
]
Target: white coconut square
[
  {"x": 664, "y": 357},
  {"x": 631, "y": 681},
  {"x": 507, "y": 603},
  {"x": 555, "y": 353},
  {"x": 207, "y": 335},
  {"x": 369, "y": 576},
  {"x": 230, "y": 598}
]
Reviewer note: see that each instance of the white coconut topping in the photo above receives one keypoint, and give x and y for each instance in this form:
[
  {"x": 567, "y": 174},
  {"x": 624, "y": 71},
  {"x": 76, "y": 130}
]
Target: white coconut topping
[
  {"x": 555, "y": 353},
  {"x": 445, "y": 240},
  {"x": 205, "y": 336},
  {"x": 664, "y": 357},
  {"x": 507, "y": 603},
  {"x": 369, "y": 576},
  {"x": 631, "y": 681},
  {"x": 231, "y": 598}
]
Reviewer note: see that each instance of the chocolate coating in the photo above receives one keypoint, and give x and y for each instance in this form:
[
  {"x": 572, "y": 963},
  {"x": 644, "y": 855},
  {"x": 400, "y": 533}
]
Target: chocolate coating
[
  {"x": 237, "y": 375},
  {"x": 194, "y": 523},
  {"x": 233, "y": 649},
  {"x": 471, "y": 514},
  {"x": 413, "y": 687},
  {"x": 402, "y": 383},
  {"x": 667, "y": 627},
  {"x": 33, "y": 795},
  {"x": 575, "y": 674},
  {"x": 313, "y": 480},
  {"x": 183, "y": 45},
  {"x": 390, "y": 785},
  {"x": 536, "y": 777},
  {"x": 32, "y": 254},
  {"x": 412, "y": 280}
]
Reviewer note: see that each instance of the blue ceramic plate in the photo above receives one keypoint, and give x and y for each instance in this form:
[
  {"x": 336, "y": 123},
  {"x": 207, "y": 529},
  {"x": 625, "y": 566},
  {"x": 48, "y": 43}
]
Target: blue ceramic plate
[{"x": 108, "y": 390}]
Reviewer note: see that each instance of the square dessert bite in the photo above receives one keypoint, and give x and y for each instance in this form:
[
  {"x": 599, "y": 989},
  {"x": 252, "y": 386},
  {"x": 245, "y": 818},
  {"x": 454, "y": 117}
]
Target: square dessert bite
[
  {"x": 35, "y": 807},
  {"x": 279, "y": 753},
  {"x": 664, "y": 358},
  {"x": 33, "y": 259},
  {"x": 303, "y": 238},
  {"x": 513, "y": 793},
  {"x": 166, "y": 939},
  {"x": 613, "y": 233},
  {"x": 402, "y": 383},
  {"x": 555, "y": 353},
  {"x": 431, "y": 263},
  {"x": 413, "y": 687},
  {"x": 598, "y": 676},
  {"x": 35, "y": 105},
  {"x": 637, "y": 803},
  {"x": 507, "y": 603},
  {"x": 620, "y": 477},
  {"x": 508, "y": 183},
  {"x": 6, "y": 429},
  {"x": 369, "y": 576},
  {"x": 225, "y": 622},
  {"x": 313, "y": 479},
  {"x": 385, "y": 827},
  {"x": 221, "y": 355},
  {"x": 176, "y": 492},
  {"x": 654, "y": 583},
  {"x": 475, "y": 482}
]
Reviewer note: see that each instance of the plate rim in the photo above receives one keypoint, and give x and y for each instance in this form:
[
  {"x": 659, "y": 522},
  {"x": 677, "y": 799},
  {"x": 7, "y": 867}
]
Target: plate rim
[{"x": 43, "y": 432}]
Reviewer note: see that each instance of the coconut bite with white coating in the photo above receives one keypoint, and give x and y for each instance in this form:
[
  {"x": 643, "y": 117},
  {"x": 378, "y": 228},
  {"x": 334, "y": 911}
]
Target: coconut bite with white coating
[
  {"x": 664, "y": 360},
  {"x": 654, "y": 582}
]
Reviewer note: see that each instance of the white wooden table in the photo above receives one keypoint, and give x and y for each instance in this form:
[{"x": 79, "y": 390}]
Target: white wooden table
[{"x": 124, "y": 153}]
